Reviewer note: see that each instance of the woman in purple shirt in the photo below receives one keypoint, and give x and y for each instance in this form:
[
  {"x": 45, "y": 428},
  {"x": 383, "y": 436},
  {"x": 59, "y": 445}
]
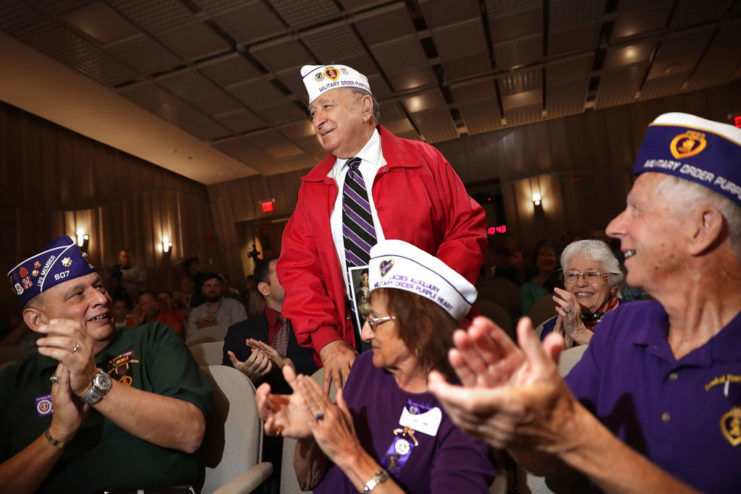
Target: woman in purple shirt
[{"x": 387, "y": 432}]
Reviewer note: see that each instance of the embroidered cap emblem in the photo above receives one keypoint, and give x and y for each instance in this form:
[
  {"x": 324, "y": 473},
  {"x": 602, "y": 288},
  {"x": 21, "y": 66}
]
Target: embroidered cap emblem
[
  {"x": 331, "y": 73},
  {"x": 688, "y": 144},
  {"x": 385, "y": 266}
]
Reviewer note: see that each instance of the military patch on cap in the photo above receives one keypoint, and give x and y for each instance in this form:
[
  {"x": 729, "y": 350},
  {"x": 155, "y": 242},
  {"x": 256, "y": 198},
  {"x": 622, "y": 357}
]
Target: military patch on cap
[
  {"x": 695, "y": 149},
  {"x": 60, "y": 261},
  {"x": 319, "y": 79}
]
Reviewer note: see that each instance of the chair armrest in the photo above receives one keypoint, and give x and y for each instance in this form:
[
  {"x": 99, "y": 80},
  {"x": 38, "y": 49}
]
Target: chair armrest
[{"x": 248, "y": 481}]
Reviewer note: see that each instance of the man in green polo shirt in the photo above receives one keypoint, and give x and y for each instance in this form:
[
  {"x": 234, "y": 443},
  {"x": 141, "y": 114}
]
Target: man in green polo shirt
[{"x": 97, "y": 409}]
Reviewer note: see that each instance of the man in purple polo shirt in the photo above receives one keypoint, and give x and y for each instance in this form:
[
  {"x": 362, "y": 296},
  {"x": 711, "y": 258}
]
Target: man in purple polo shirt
[{"x": 655, "y": 403}]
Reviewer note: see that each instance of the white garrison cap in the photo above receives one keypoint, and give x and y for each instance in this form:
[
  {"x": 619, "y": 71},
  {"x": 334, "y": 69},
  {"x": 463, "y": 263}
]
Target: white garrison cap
[
  {"x": 319, "y": 79},
  {"x": 398, "y": 264}
]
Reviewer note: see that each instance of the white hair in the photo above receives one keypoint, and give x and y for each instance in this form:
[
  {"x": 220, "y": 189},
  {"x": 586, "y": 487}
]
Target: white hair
[
  {"x": 687, "y": 195},
  {"x": 597, "y": 251}
]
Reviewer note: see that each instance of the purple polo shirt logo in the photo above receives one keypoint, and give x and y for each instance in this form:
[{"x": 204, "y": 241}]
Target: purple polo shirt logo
[
  {"x": 43, "y": 405},
  {"x": 688, "y": 144},
  {"x": 730, "y": 425}
]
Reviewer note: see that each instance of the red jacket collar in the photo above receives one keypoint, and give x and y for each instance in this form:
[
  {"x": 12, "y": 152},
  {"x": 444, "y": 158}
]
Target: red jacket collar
[{"x": 397, "y": 151}]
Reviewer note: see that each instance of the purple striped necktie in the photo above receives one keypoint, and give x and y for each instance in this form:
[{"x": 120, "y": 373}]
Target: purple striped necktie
[{"x": 357, "y": 222}]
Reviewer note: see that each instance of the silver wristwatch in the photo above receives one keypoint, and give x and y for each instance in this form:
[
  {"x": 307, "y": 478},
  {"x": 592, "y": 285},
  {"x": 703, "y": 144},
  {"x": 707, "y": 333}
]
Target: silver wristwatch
[
  {"x": 378, "y": 478},
  {"x": 98, "y": 388}
]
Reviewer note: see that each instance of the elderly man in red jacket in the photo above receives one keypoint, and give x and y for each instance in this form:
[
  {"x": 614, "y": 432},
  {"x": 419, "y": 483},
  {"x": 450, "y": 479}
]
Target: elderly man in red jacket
[{"x": 373, "y": 186}]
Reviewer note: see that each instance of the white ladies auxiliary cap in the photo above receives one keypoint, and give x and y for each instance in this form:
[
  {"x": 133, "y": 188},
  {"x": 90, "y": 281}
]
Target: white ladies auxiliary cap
[
  {"x": 398, "y": 264},
  {"x": 319, "y": 79}
]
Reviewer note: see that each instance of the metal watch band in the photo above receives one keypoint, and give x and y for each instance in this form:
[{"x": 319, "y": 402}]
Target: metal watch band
[{"x": 378, "y": 478}]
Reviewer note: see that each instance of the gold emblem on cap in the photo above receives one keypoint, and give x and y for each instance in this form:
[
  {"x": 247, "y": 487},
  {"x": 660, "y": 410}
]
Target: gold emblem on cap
[
  {"x": 35, "y": 273},
  {"x": 331, "y": 73},
  {"x": 730, "y": 426},
  {"x": 343, "y": 70},
  {"x": 318, "y": 76},
  {"x": 688, "y": 144},
  {"x": 66, "y": 262}
]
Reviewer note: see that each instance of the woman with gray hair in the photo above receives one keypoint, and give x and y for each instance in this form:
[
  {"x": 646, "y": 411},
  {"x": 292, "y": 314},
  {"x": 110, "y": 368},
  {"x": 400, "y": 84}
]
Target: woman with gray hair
[{"x": 591, "y": 276}]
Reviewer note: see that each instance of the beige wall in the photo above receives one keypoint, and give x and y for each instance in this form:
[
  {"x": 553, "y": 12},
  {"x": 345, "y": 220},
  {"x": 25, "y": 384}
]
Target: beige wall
[{"x": 54, "y": 181}]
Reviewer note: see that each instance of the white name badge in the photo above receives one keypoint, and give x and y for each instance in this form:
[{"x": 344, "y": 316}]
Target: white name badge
[{"x": 427, "y": 422}]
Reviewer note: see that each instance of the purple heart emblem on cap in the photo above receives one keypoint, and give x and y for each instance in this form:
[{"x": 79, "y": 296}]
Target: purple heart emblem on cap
[{"x": 386, "y": 266}]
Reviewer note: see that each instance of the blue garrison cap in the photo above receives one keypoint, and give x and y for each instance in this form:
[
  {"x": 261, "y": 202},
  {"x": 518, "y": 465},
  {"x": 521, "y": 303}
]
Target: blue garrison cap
[
  {"x": 60, "y": 261},
  {"x": 695, "y": 149}
]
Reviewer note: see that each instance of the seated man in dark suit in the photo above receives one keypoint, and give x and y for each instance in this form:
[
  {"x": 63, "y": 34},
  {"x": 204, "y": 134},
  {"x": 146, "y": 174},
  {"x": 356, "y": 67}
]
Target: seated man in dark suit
[{"x": 260, "y": 346}]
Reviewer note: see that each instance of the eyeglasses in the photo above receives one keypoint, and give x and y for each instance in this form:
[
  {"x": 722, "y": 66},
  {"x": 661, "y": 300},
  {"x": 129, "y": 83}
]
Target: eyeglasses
[
  {"x": 589, "y": 276},
  {"x": 374, "y": 321}
]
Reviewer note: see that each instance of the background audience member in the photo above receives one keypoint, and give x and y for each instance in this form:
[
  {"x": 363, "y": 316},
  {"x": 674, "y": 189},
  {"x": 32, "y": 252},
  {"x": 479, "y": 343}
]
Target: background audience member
[
  {"x": 260, "y": 346},
  {"x": 255, "y": 301},
  {"x": 186, "y": 297},
  {"x": 120, "y": 312},
  {"x": 386, "y": 427},
  {"x": 127, "y": 278},
  {"x": 231, "y": 292},
  {"x": 216, "y": 309},
  {"x": 545, "y": 266},
  {"x": 146, "y": 310},
  {"x": 165, "y": 303},
  {"x": 592, "y": 279}
]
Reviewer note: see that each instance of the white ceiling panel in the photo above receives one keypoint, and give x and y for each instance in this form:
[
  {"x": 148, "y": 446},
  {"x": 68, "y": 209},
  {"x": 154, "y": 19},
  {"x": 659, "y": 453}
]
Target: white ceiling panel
[
  {"x": 424, "y": 101},
  {"x": 566, "y": 98},
  {"x": 524, "y": 115},
  {"x": 629, "y": 54},
  {"x": 155, "y": 17},
  {"x": 439, "y": 13},
  {"x": 401, "y": 54},
  {"x": 461, "y": 40},
  {"x": 101, "y": 22},
  {"x": 195, "y": 41},
  {"x": 691, "y": 13},
  {"x": 416, "y": 77},
  {"x": 468, "y": 67},
  {"x": 257, "y": 93},
  {"x": 392, "y": 111},
  {"x": 581, "y": 39},
  {"x": 619, "y": 86},
  {"x": 400, "y": 126},
  {"x": 578, "y": 67},
  {"x": 281, "y": 112},
  {"x": 282, "y": 54},
  {"x": 436, "y": 125},
  {"x": 385, "y": 24},
  {"x": 229, "y": 69},
  {"x": 334, "y": 45},
  {"x": 664, "y": 86},
  {"x": 514, "y": 19},
  {"x": 474, "y": 91},
  {"x": 188, "y": 84},
  {"x": 217, "y": 103},
  {"x": 720, "y": 60},
  {"x": 481, "y": 117},
  {"x": 205, "y": 129},
  {"x": 520, "y": 51},
  {"x": 311, "y": 146},
  {"x": 300, "y": 13},
  {"x": 146, "y": 55},
  {"x": 521, "y": 81},
  {"x": 251, "y": 22},
  {"x": 569, "y": 15},
  {"x": 241, "y": 121},
  {"x": 640, "y": 16},
  {"x": 680, "y": 53}
]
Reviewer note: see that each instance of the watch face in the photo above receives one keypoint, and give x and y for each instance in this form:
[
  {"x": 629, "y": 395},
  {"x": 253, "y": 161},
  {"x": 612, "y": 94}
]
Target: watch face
[{"x": 102, "y": 381}]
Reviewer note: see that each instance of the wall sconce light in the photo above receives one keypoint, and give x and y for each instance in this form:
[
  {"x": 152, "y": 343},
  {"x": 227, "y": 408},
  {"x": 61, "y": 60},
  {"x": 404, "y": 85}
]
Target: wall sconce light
[
  {"x": 537, "y": 199},
  {"x": 166, "y": 246},
  {"x": 83, "y": 240}
]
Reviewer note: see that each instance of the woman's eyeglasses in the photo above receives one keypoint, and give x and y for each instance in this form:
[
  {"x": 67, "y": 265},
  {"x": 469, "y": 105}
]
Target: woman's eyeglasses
[
  {"x": 590, "y": 276},
  {"x": 373, "y": 321}
]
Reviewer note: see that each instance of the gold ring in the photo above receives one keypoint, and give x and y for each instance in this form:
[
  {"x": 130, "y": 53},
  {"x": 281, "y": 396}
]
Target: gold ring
[
  {"x": 54, "y": 379},
  {"x": 77, "y": 347}
]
